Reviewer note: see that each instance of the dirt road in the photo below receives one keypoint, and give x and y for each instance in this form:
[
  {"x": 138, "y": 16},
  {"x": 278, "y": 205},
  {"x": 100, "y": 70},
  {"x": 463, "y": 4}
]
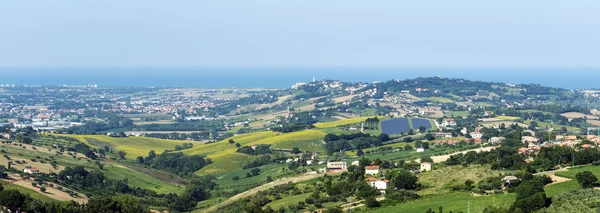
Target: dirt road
[{"x": 262, "y": 188}]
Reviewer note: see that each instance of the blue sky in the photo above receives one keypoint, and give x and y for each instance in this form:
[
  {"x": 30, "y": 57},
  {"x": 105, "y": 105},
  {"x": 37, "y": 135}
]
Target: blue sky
[{"x": 299, "y": 33}]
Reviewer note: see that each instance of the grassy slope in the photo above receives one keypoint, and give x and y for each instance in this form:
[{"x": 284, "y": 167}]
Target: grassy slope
[
  {"x": 33, "y": 194},
  {"x": 441, "y": 180},
  {"x": 510, "y": 118},
  {"x": 226, "y": 159},
  {"x": 439, "y": 99},
  {"x": 455, "y": 202},
  {"x": 141, "y": 180},
  {"x": 223, "y": 154},
  {"x": 134, "y": 146}
]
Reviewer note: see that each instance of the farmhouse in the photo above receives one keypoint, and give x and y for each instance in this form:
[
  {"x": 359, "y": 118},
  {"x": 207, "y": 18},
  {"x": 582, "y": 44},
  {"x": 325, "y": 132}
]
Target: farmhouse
[
  {"x": 336, "y": 166},
  {"x": 448, "y": 122},
  {"x": 496, "y": 139},
  {"x": 371, "y": 170},
  {"x": 380, "y": 185},
  {"x": 529, "y": 139},
  {"x": 425, "y": 166},
  {"x": 476, "y": 135},
  {"x": 420, "y": 149},
  {"x": 31, "y": 170}
]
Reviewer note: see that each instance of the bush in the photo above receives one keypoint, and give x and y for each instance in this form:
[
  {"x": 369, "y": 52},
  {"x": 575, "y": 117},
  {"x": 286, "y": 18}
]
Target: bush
[
  {"x": 34, "y": 184},
  {"x": 586, "y": 179},
  {"x": 235, "y": 178},
  {"x": 42, "y": 189}
]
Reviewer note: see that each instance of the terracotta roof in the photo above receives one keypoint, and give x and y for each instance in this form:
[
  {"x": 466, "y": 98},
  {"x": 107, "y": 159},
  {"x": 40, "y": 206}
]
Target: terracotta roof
[
  {"x": 371, "y": 179},
  {"x": 372, "y": 167}
]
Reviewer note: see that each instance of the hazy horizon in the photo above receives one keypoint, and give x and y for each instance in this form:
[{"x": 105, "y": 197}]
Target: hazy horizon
[{"x": 284, "y": 77}]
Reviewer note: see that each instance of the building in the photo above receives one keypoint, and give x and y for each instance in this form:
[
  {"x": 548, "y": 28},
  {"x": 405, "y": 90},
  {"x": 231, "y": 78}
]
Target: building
[
  {"x": 426, "y": 166},
  {"x": 31, "y": 170},
  {"x": 529, "y": 139},
  {"x": 476, "y": 135},
  {"x": 497, "y": 139},
  {"x": 448, "y": 122},
  {"x": 355, "y": 163},
  {"x": 464, "y": 131},
  {"x": 336, "y": 166},
  {"x": 371, "y": 170},
  {"x": 420, "y": 149},
  {"x": 380, "y": 185}
]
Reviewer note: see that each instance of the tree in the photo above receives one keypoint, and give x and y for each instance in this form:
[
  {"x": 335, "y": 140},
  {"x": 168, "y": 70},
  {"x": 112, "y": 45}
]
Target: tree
[
  {"x": 422, "y": 129},
  {"x": 238, "y": 145},
  {"x": 530, "y": 196},
  {"x": 426, "y": 159},
  {"x": 360, "y": 153},
  {"x": 151, "y": 155},
  {"x": 296, "y": 150},
  {"x": 269, "y": 179},
  {"x": 122, "y": 154},
  {"x": 12, "y": 199},
  {"x": 586, "y": 179},
  {"x": 411, "y": 132},
  {"x": 408, "y": 148},
  {"x": 140, "y": 159},
  {"x": 404, "y": 179},
  {"x": 235, "y": 177},
  {"x": 425, "y": 145},
  {"x": 255, "y": 171},
  {"x": 371, "y": 202},
  {"x": 429, "y": 137},
  {"x": 231, "y": 141},
  {"x": 43, "y": 189}
]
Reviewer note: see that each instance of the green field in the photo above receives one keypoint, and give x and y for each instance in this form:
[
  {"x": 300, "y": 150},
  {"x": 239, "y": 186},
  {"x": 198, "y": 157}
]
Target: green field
[
  {"x": 556, "y": 126},
  {"x": 306, "y": 140},
  {"x": 439, "y": 99},
  {"x": 323, "y": 125},
  {"x": 441, "y": 180},
  {"x": 457, "y": 113},
  {"x": 455, "y": 202},
  {"x": 134, "y": 146},
  {"x": 138, "y": 179}
]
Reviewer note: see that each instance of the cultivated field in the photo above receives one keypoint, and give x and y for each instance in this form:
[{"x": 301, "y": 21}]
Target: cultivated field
[
  {"x": 349, "y": 121},
  {"x": 134, "y": 146}
]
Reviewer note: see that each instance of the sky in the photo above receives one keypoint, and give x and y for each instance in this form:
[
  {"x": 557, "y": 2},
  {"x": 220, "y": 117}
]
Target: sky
[{"x": 199, "y": 33}]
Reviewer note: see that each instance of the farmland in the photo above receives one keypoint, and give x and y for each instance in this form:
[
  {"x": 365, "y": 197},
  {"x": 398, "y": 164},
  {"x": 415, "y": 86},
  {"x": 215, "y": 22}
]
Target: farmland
[
  {"x": 343, "y": 122},
  {"x": 133, "y": 146}
]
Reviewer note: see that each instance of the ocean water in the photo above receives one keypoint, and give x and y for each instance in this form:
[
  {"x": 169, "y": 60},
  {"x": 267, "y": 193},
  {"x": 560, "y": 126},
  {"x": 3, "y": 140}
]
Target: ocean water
[{"x": 284, "y": 77}]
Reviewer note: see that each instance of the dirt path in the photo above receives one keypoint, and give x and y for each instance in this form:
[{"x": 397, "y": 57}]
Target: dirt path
[
  {"x": 261, "y": 188},
  {"x": 555, "y": 179},
  {"x": 51, "y": 192}
]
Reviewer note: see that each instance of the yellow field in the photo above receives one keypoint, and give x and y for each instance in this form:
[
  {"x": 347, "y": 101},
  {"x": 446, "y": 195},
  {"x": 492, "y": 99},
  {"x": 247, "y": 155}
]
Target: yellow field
[
  {"x": 134, "y": 146},
  {"x": 306, "y": 140},
  {"x": 510, "y": 118},
  {"x": 323, "y": 125}
]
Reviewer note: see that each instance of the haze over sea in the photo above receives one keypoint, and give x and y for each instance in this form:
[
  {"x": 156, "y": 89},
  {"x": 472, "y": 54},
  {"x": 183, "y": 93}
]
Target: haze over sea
[{"x": 284, "y": 77}]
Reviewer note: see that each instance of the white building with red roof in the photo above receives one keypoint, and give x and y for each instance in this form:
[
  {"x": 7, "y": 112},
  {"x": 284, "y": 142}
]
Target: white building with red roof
[
  {"x": 371, "y": 170},
  {"x": 379, "y": 184}
]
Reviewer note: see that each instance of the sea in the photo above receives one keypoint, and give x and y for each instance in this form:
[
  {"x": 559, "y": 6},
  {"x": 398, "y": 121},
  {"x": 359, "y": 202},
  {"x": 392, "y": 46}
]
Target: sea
[{"x": 284, "y": 77}]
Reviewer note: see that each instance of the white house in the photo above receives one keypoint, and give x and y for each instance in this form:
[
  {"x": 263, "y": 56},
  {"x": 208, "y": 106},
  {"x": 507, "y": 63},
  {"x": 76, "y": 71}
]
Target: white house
[
  {"x": 31, "y": 170},
  {"x": 464, "y": 131},
  {"x": 476, "y": 135},
  {"x": 336, "y": 166},
  {"x": 421, "y": 149},
  {"x": 371, "y": 170},
  {"x": 425, "y": 166},
  {"x": 355, "y": 163},
  {"x": 380, "y": 185}
]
